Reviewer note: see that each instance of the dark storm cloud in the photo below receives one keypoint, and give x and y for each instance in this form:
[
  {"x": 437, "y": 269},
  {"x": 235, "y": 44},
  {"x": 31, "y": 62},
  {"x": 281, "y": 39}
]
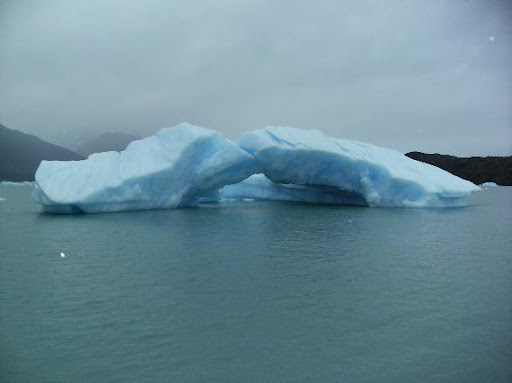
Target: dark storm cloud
[{"x": 432, "y": 76}]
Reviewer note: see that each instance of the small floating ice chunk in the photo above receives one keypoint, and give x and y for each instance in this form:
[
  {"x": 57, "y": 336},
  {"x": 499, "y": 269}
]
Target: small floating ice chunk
[
  {"x": 62, "y": 255},
  {"x": 22, "y": 183},
  {"x": 2, "y": 199},
  {"x": 489, "y": 184}
]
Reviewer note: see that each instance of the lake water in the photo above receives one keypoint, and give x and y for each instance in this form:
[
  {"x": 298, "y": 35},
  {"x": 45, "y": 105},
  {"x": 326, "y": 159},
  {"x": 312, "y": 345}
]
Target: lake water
[{"x": 257, "y": 292}]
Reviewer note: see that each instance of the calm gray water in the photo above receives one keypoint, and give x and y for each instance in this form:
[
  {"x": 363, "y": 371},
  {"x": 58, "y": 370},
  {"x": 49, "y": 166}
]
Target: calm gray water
[{"x": 257, "y": 292}]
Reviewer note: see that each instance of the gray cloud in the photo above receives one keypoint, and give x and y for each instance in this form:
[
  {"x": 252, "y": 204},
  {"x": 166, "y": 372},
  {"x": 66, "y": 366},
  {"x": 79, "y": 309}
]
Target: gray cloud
[{"x": 409, "y": 75}]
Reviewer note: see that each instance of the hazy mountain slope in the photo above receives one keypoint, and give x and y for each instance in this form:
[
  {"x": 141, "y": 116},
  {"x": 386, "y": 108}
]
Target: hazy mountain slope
[
  {"x": 20, "y": 154},
  {"x": 475, "y": 169},
  {"x": 106, "y": 142}
]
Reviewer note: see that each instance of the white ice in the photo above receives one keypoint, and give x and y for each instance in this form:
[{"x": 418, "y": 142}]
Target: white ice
[
  {"x": 174, "y": 168},
  {"x": 334, "y": 170},
  {"x": 187, "y": 165}
]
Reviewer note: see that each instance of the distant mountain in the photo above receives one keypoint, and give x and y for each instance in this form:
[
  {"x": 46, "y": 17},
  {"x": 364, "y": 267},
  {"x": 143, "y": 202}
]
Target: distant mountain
[
  {"x": 475, "y": 169},
  {"x": 20, "y": 154},
  {"x": 106, "y": 142}
]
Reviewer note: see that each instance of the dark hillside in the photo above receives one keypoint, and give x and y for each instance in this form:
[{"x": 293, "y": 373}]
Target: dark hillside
[
  {"x": 475, "y": 169},
  {"x": 21, "y": 154}
]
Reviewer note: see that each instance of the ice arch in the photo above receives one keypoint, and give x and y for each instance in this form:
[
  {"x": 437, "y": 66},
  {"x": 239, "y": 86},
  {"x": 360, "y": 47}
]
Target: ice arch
[
  {"x": 186, "y": 165},
  {"x": 307, "y": 165}
]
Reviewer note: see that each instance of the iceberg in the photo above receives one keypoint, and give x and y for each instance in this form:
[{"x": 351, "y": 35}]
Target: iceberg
[
  {"x": 176, "y": 167},
  {"x": 189, "y": 165},
  {"x": 489, "y": 184},
  {"x": 307, "y": 165}
]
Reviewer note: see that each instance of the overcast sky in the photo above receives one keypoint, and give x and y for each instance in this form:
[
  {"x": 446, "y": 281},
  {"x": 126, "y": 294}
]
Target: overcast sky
[{"x": 433, "y": 75}]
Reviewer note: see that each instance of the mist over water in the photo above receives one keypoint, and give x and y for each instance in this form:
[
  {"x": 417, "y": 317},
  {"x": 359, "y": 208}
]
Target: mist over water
[{"x": 257, "y": 291}]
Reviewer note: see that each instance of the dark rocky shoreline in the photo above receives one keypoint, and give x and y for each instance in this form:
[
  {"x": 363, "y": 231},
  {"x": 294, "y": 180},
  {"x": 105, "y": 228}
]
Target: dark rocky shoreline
[{"x": 475, "y": 169}]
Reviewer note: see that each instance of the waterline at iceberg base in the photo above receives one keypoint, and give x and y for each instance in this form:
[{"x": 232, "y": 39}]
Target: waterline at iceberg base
[{"x": 187, "y": 165}]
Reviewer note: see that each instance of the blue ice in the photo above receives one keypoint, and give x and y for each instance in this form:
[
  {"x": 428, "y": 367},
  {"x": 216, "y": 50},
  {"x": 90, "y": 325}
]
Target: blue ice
[{"x": 187, "y": 165}]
